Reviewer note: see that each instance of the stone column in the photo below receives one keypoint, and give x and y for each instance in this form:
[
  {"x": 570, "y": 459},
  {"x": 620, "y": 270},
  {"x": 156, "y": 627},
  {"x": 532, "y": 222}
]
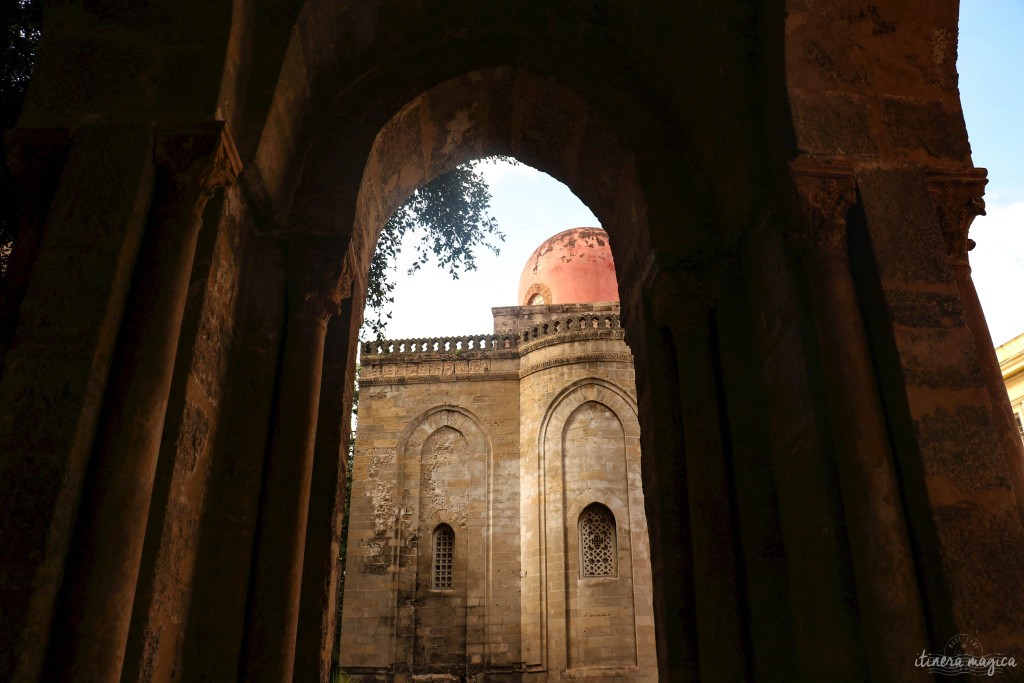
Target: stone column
[
  {"x": 56, "y": 371},
  {"x": 93, "y": 626},
  {"x": 682, "y": 304},
  {"x": 317, "y": 631},
  {"x": 887, "y": 591},
  {"x": 666, "y": 496},
  {"x": 34, "y": 157},
  {"x": 958, "y": 200},
  {"x": 318, "y": 282}
]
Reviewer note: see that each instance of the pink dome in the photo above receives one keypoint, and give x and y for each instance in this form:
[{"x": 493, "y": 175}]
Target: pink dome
[{"x": 573, "y": 267}]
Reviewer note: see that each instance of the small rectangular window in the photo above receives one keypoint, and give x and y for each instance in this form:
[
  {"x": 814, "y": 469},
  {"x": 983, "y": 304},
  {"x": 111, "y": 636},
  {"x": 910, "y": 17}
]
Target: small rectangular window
[{"x": 443, "y": 556}]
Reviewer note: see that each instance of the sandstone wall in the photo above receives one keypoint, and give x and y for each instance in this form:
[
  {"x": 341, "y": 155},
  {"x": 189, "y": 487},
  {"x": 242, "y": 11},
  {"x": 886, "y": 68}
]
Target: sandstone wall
[
  {"x": 506, "y": 439},
  {"x": 440, "y": 451}
]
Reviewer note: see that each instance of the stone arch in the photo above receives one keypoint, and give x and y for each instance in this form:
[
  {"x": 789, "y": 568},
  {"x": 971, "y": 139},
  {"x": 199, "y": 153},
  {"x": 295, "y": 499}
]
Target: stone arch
[
  {"x": 538, "y": 293},
  {"x": 432, "y": 419},
  {"x": 618, "y": 400},
  {"x": 506, "y": 110},
  {"x": 867, "y": 95},
  {"x": 564, "y": 601},
  {"x": 444, "y": 444}
]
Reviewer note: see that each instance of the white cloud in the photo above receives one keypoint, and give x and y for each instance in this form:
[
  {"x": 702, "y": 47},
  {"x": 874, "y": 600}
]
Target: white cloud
[{"x": 998, "y": 268}]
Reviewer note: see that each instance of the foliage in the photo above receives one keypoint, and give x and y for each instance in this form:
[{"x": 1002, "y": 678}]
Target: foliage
[
  {"x": 449, "y": 214},
  {"x": 20, "y": 23}
]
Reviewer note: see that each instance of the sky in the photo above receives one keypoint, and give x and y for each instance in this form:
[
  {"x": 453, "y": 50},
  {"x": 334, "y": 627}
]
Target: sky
[
  {"x": 991, "y": 59},
  {"x": 530, "y": 206}
]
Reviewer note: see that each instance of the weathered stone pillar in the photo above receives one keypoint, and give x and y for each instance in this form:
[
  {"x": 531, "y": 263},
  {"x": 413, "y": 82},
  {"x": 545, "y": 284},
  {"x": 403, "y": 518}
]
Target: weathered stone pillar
[
  {"x": 959, "y": 501},
  {"x": 93, "y": 626},
  {"x": 317, "y": 629},
  {"x": 682, "y": 304},
  {"x": 34, "y": 157},
  {"x": 666, "y": 500},
  {"x": 318, "y": 282},
  {"x": 887, "y": 591},
  {"x": 55, "y": 374},
  {"x": 958, "y": 200}
]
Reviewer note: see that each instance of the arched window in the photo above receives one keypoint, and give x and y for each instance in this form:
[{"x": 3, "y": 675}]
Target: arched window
[
  {"x": 597, "y": 542},
  {"x": 443, "y": 556}
]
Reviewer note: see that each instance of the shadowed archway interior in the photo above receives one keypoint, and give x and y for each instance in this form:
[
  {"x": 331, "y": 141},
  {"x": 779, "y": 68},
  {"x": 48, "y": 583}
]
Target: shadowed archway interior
[{"x": 832, "y": 479}]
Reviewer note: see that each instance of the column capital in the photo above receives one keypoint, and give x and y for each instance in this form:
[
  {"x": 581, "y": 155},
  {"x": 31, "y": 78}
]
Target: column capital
[
  {"x": 959, "y": 198},
  {"x": 826, "y": 192},
  {"x": 199, "y": 158},
  {"x": 319, "y": 276}
]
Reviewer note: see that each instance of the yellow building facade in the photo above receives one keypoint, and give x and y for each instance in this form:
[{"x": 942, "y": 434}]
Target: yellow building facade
[
  {"x": 1011, "y": 364},
  {"x": 497, "y": 528}
]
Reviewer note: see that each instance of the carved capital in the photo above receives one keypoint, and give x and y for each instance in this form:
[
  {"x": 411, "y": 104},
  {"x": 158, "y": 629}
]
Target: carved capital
[
  {"x": 319, "y": 276},
  {"x": 959, "y": 198},
  {"x": 826, "y": 194},
  {"x": 197, "y": 160}
]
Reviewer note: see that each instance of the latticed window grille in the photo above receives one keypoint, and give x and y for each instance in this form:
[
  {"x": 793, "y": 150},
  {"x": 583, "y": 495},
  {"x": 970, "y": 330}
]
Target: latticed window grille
[
  {"x": 597, "y": 542},
  {"x": 444, "y": 555}
]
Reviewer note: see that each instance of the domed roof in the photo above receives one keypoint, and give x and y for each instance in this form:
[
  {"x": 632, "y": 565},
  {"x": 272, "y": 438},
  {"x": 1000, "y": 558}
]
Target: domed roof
[{"x": 573, "y": 267}]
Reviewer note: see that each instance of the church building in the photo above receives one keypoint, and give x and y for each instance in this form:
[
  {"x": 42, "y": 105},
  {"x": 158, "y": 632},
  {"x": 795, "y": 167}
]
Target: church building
[{"x": 497, "y": 528}]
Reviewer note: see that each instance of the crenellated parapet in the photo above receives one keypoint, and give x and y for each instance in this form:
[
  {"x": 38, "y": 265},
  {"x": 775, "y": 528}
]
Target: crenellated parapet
[
  {"x": 454, "y": 346},
  {"x": 544, "y": 336},
  {"x": 507, "y": 345}
]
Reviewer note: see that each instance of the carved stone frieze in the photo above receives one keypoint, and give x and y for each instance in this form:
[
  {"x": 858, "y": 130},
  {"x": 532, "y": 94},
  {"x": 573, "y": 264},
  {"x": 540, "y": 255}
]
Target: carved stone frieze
[
  {"x": 959, "y": 199},
  {"x": 430, "y": 379},
  {"x": 319, "y": 276},
  {"x": 592, "y": 357},
  {"x": 397, "y": 373},
  {"x": 571, "y": 336},
  {"x": 196, "y": 161},
  {"x": 826, "y": 192}
]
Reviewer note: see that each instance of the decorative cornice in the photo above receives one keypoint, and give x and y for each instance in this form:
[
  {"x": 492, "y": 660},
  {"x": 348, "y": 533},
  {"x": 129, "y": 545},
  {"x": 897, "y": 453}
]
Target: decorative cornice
[
  {"x": 576, "y": 358},
  {"x": 826, "y": 193},
  {"x": 319, "y": 276},
  {"x": 571, "y": 336},
  {"x": 568, "y": 326},
  {"x": 412, "y": 357},
  {"x": 959, "y": 198},
  {"x": 198, "y": 160},
  {"x": 497, "y": 375},
  {"x": 428, "y": 379}
]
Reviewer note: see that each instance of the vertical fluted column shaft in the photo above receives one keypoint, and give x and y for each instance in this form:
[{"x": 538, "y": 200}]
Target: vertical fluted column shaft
[
  {"x": 887, "y": 590},
  {"x": 958, "y": 198},
  {"x": 93, "y": 627},
  {"x": 34, "y": 158},
  {"x": 317, "y": 284},
  {"x": 682, "y": 303}
]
